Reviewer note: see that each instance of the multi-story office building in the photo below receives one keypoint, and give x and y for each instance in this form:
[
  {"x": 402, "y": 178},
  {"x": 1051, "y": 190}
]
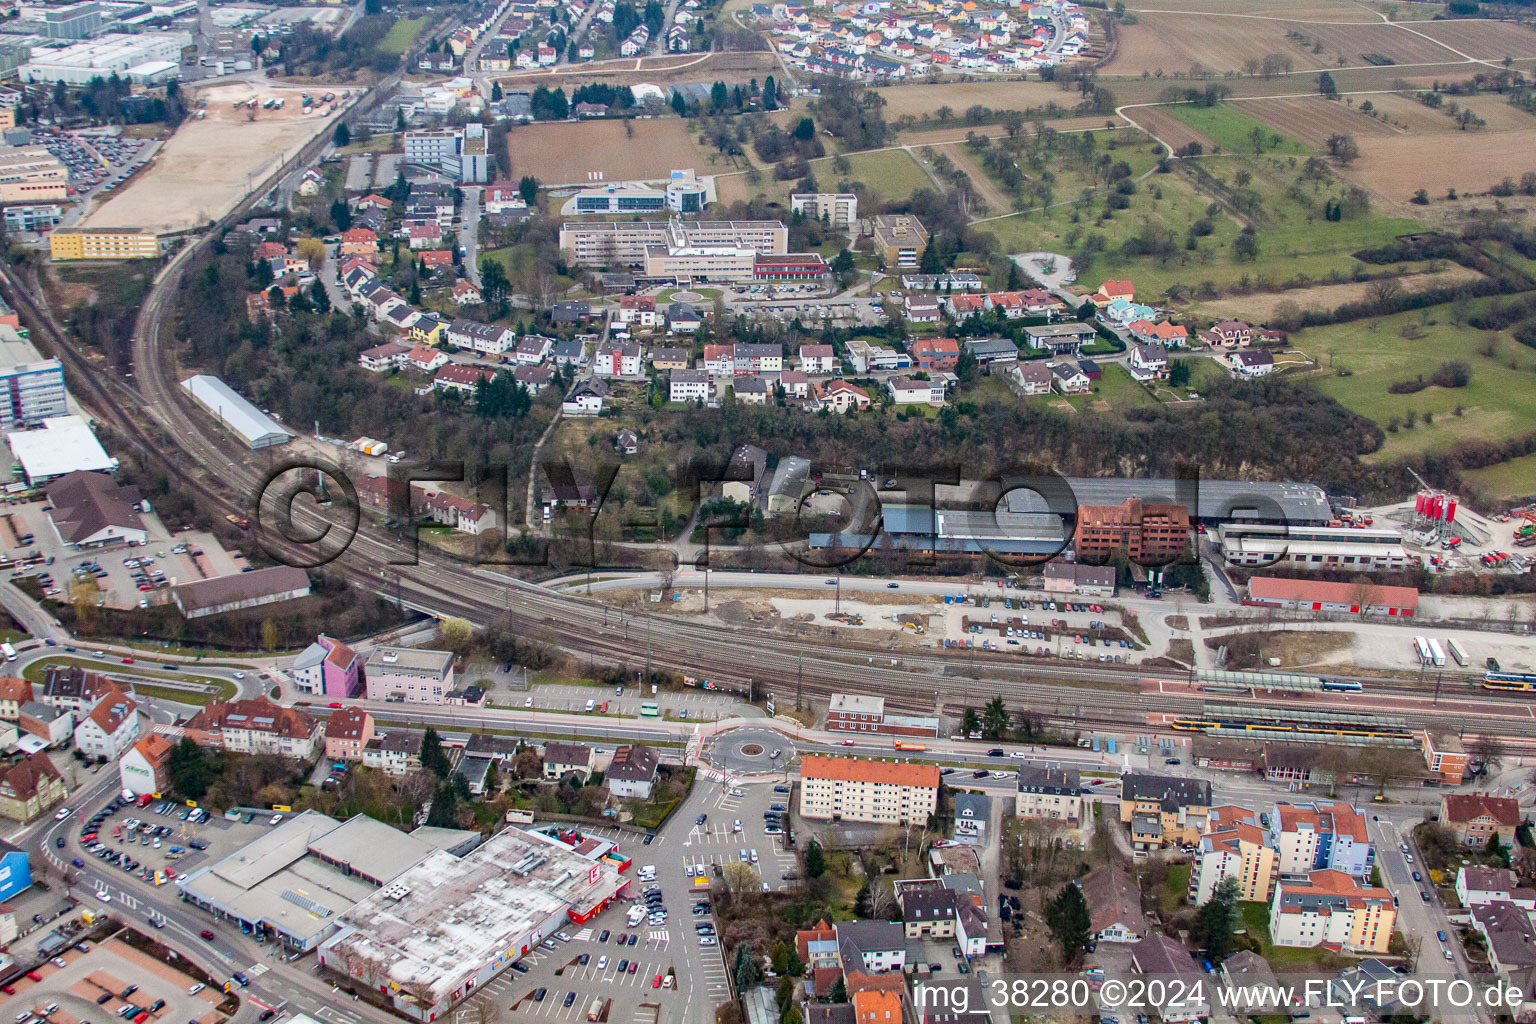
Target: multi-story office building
[
  {"x": 73, "y": 21},
  {"x": 899, "y": 240},
  {"x": 853, "y": 789},
  {"x": 459, "y": 151},
  {"x": 32, "y": 217},
  {"x": 31, "y": 387},
  {"x": 683, "y": 193},
  {"x": 838, "y": 209},
  {"x": 409, "y": 675},
  {"x": 31, "y": 174},
  {"x": 607, "y": 242},
  {"x": 1148, "y": 533}
]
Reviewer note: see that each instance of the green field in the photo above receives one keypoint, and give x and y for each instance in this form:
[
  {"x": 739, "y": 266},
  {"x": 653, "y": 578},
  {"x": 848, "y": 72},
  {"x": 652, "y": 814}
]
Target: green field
[
  {"x": 1499, "y": 402},
  {"x": 1232, "y": 130},
  {"x": 890, "y": 174},
  {"x": 1513, "y": 479},
  {"x": 402, "y": 34}
]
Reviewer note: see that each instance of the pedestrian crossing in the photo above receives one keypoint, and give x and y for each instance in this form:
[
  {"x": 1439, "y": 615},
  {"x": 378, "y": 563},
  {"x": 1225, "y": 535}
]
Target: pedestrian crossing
[
  {"x": 335, "y": 1016},
  {"x": 257, "y": 970}
]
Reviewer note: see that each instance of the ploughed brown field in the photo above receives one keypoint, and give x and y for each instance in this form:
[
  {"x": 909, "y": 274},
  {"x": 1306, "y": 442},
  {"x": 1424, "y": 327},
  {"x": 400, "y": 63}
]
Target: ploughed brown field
[
  {"x": 562, "y": 153},
  {"x": 1220, "y": 42},
  {"x": 1485, "y": 40},
  {"x": 727, "y": 66},
  {"x": 1400, "y": 165},
  {"x": 1168, "y": 128},
  {"x": 1313, "y": 119}
]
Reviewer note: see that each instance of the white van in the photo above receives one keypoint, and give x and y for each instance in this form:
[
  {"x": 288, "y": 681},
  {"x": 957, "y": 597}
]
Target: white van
[
  {"x": 590, "y": 706},
  {"x": 636, "y": 914},
  {"x": 647, "y": 873}
]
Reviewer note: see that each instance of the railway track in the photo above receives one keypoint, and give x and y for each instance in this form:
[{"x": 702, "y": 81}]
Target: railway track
[{"x": 151, "y": 414}]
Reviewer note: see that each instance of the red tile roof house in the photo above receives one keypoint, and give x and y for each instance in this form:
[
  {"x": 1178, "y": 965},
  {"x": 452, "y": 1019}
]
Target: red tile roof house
[
  {"x": 424, "y": 359},
  {"x": 461, "y": 377},
  {"x": 462, "y": 514},
  {"x": 376, "y": 491},
  {"x": 1474, "y": 817},
  {"x": 962, "y": 306},
  {"x": 432, "y": 259},
  {"x": 934, "y": 353},
  {"x": 110, "y": 728},
  {"x": 347, "y": 733},
  {"x": 424, "y": 236},
  {"x": 840, "y": 396},
  {"x": 1011, "y": 303},
  {"x": 466, "y": 294},
  {"x": 638, "y": 309},
  {"x": 1229, "y": 333},
  {"x": 352, "y": 263},
  {"x": 1162, "y": 332},
  {"x": 383, "y": 358},
  {"x": 1109, "y": 291},
  {"x": 359, "y": 241},
  {"x": 251, "y": 727}
]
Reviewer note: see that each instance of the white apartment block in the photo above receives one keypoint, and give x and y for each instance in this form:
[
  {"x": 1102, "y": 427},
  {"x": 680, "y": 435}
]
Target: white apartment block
[{"x": 854, "y": 789}]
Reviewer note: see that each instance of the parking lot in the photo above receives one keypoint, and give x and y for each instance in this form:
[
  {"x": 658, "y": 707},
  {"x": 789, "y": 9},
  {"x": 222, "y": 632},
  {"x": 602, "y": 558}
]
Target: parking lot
[
  {"x": 710, "y": 846},
  {"x": 701, "y": 706},
  {"x": 126, "y": 576},
  {"x": 657, "y": 952},
  {"x": 160, "y": 841},
  {"x": 95, "y": 159},
  {"x": 101, "y": 982}
]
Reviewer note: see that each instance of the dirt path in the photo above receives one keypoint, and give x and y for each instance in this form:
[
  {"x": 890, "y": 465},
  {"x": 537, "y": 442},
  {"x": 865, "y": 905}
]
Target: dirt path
[{"x": 986, "y": 189}]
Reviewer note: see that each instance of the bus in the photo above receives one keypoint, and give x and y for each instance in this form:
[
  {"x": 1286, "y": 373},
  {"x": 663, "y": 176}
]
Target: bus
[
  {"x": 1459, "y": 655},
  {"x": 1421, "y": 648},
  {"x": 909, "y": 746},
  {"x": 9, "y": 652},
  {"x": 650, "y": 709},
  {"x": 1436, "y": 652}
]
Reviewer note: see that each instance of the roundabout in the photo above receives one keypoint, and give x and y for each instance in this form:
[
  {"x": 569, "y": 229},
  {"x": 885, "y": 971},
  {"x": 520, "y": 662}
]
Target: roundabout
[{"x": 750, "y": 750}]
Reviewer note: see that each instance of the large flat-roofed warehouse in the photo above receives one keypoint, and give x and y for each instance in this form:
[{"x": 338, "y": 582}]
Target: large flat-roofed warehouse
[
  {"x": 1024, "y": 524},
  {"x": 253, "y": 426},
  {"x": 1213, "y": 501},
  {"x": 956, "y": 531},
  {"x": 448, "y": 925},
  {"x": 296, "y": 881},
  {"x": 1312, "y": 547}
]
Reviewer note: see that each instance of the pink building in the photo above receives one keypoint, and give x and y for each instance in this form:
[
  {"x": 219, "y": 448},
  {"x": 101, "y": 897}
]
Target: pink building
[
  {"x": 347, "y": 733},
  {"x": 327, "y": 668}
]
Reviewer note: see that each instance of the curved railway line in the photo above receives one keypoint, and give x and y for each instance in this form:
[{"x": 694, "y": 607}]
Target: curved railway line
[{"x": 151, "y": 413}]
